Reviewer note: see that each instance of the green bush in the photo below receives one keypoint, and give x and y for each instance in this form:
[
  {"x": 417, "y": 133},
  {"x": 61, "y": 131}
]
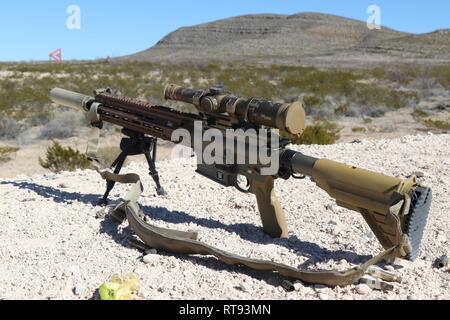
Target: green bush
[
  {"x": 311, "y": 102},
  {"x": 59, "y": 158},
  {"x": 419, "y": 114},
  {"x": 10, "y": 128},
  {"x": 341, "y": 110},
  {"x": 437, "y": 124},
  {"x": 24, "y": 96},
  {"x": 64, "y": 125},
  {"x": 6, "y": 152}
]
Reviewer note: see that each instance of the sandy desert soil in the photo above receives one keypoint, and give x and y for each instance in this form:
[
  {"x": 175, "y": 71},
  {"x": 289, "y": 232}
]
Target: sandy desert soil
[{"x": 53, "y": 247}]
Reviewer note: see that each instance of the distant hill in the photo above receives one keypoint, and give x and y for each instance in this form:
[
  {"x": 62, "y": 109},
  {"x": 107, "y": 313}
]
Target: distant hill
[{"x": 296, "y": 39}]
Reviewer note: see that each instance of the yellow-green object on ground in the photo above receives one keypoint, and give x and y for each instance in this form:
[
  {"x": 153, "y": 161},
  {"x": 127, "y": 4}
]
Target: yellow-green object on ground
[{"x": 119, "y": 287}]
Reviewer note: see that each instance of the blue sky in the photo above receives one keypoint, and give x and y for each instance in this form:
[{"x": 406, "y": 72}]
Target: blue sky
[{"x": 29, "y": 30}]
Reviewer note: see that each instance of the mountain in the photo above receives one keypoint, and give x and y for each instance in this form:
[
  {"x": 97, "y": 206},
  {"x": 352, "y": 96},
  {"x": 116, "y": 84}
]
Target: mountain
[{"x": 300, "y": 38}]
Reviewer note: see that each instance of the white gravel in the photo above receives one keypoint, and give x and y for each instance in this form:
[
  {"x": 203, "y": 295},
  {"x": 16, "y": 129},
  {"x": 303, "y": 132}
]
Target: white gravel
[{"x": 52, "y": 246}]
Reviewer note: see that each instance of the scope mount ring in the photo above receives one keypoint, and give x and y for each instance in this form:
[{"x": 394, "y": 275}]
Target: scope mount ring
[{"x": 197, "y": 98}]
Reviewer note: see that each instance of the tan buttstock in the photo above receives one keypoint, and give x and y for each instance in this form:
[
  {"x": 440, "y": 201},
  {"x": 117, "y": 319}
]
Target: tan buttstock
[
  {"x": 272, "y": 215},
  {"x": 379, "y": 198}
]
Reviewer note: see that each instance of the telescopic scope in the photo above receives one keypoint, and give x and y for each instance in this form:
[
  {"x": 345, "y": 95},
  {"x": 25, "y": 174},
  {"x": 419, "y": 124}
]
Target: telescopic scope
[{"x": 288, "y": 117}]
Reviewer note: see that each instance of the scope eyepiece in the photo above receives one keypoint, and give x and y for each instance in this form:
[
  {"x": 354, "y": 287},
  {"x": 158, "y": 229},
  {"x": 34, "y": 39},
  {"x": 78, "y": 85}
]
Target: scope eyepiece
[{"x": 257, "y": 111}]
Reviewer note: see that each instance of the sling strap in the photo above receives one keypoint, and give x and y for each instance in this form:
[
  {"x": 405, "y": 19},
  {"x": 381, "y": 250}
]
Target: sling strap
[{"x": 180, "y": 242}]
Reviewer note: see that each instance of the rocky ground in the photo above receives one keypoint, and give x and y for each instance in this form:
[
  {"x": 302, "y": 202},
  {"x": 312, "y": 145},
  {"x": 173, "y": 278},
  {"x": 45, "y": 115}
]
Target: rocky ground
[{"x": 53, "y": 247}]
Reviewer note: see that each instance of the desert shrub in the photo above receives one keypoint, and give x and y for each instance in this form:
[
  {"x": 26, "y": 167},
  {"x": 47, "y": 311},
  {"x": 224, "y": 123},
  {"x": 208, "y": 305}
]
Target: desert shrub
[
  {"x": 38, "y": 117},
  {"x": 403, "y": 73},
  {"x": 323, "y": 108},
  {"x": 426, "y": 86},
  {"x": 375, "y": 112},
  {"x": 27, "y": 100},
  {"x": 441, "y": 74},
  {"x": 59, "y": 158},
  {"x": 376, "y": 96},
  {"x": 377, "y": 73},
  {"x": 321, "y": 132},
  {"x": 6, "y": 152},
  {"x": 65, "y": 125},
  {"x": 420, "y": 77},
  {"x": 424, "y": 83},
  {"x": 350, "y": 110},
  {"x": 325, "y": 112},
  {"x": 419, "y": 114},
  {"x": 341, "y": 110},
  {"x": 311, "y": 102},
  {"x": 386, "y": 128},
  {"x": 10, "y": 128},
  {"x": 353, "y": 110},
  {"x": 437, "y": 124}
]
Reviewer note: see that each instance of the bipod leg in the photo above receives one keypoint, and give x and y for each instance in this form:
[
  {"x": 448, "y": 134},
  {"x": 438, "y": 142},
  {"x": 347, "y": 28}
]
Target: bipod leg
[
  {"x": 118, "y": 164},
  {"x": 151, "y": 158}
]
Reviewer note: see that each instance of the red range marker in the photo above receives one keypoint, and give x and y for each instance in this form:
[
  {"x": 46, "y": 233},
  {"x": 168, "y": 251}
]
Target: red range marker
[{"x": 56, "y": 56}]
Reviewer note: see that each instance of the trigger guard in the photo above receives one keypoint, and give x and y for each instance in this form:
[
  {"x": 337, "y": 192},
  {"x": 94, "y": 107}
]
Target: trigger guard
[
  {"x": 242, "y": 190},
  {"x": 237, "y": 186},
  {"x": 298, "y": 177}
]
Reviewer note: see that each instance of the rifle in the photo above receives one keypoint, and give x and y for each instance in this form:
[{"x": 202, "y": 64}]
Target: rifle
[{"x": 396, "y": 210}]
